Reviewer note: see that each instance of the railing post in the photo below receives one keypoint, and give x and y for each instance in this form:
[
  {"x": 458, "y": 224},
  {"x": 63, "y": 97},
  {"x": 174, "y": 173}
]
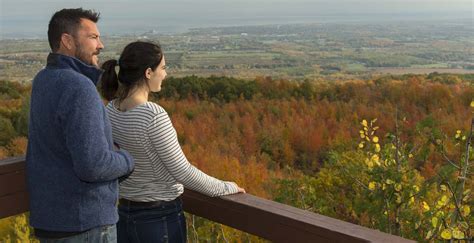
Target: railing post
[{"x": 13, "y": 193}]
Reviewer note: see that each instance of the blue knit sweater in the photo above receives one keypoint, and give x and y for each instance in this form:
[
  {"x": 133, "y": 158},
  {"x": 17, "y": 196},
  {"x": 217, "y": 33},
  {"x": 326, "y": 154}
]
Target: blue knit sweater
[{"x": 72, "y": 167}]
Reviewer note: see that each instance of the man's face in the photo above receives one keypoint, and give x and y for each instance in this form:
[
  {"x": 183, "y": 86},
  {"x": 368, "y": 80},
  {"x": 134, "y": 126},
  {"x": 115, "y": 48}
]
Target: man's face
[{"x": 87, "y": 43}]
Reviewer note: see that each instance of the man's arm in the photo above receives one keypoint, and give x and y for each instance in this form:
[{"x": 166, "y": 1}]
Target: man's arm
[{"x": 94, "y": 159}]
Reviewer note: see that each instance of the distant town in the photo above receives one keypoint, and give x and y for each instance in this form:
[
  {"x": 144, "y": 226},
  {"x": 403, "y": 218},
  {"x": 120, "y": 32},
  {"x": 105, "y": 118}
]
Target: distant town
[{"x": 320, "y": 51}]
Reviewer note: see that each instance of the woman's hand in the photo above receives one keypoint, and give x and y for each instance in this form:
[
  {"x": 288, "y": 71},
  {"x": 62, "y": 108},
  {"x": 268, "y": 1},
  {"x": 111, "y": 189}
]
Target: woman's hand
[{"x": 240, "y": 190}]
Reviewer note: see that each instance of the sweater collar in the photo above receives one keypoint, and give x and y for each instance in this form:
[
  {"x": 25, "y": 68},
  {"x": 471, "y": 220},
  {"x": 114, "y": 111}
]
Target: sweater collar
[{"x": 62, "y": 61}]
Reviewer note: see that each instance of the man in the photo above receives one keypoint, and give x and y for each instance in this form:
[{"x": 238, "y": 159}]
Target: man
[{"x": 72, "y": 166}]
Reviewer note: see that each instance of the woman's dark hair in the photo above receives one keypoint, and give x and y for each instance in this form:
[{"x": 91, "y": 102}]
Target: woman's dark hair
[
  {"x": 135, "y": 59},
  {"x": 67, "y": 21}
]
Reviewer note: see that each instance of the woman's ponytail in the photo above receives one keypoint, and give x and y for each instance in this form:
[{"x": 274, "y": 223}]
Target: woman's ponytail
[{"x": 109, "y": 81}]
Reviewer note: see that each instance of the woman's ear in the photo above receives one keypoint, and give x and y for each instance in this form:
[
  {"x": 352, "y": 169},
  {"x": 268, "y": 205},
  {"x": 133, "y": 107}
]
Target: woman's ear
[{"x": 148, "y": 73}]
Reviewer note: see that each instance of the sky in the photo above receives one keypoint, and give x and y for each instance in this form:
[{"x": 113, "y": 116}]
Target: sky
[{"x": 27, "y": 18}]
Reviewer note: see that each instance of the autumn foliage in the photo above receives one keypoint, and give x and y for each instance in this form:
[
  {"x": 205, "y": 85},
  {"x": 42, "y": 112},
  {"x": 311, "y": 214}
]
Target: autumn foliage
[{"x": 310, "y": 144}]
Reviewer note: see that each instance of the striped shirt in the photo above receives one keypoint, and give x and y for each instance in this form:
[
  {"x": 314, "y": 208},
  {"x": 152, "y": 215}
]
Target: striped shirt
[{"x": 161, "y": 168}]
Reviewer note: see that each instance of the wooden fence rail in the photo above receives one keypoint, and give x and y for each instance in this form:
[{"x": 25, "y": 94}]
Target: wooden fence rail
[{"x": 270, "y": 220}]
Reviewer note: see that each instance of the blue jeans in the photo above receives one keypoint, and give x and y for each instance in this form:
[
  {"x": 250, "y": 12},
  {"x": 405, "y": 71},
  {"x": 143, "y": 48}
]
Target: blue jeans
[
  {"x": 163, "y": 223},
  {"x": 102, "y": 234}
]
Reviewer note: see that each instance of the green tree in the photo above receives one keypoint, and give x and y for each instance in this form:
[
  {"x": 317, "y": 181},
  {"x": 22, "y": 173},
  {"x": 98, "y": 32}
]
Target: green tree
[{"x": 7, "y": 131}]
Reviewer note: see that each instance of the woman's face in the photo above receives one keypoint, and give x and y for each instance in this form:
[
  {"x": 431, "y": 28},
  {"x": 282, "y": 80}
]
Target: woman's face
[{"x": 157, "y": 76}]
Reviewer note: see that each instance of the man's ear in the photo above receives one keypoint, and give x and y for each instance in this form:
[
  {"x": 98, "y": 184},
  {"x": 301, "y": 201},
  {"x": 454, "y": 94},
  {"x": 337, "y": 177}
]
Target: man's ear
[
  {"x": 148, "y": 72},
  {"x": 67, "y": 41}
]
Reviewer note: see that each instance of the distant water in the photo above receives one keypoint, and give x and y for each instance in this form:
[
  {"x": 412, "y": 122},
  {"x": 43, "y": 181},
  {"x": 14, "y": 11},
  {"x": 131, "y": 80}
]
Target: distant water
[
  {"x": 182, "y": 25},
  {"x": 111, "y": 24}
]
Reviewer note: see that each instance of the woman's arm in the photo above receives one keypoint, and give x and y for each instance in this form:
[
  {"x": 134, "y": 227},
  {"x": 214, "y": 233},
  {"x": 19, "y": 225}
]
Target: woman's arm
[{"x": 165, "y": 141}]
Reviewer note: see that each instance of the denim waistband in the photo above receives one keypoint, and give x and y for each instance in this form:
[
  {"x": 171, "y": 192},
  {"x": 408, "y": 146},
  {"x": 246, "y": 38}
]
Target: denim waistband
[{"x": 129, "y": 204}]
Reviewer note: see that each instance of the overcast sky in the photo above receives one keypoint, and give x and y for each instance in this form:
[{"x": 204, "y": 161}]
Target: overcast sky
[{"x": 29, "y": 18}]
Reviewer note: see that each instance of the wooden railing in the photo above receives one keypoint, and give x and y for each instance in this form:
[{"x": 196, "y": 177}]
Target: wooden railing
[{"x": 270, "y": 220}]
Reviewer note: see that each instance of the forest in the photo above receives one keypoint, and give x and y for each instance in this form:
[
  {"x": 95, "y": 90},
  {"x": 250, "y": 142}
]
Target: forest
[{"x": 393, "y": 152}]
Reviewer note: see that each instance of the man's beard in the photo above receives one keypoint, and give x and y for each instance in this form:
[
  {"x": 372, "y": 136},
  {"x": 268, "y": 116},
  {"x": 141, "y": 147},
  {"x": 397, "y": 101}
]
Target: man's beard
[{"x": 84, "y": 56}]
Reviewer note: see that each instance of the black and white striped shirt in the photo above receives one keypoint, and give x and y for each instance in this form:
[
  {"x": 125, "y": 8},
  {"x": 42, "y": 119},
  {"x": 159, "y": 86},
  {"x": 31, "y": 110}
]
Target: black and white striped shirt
[{"x": 161, "y": 168}]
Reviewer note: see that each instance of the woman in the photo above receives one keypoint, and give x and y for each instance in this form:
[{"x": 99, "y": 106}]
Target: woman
[{"x": 149, "y": 207}]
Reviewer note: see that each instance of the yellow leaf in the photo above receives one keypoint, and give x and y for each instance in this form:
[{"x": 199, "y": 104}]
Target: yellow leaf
[
  {"x": 375, "y": 139},
  {"x": 426, "y": 207},
  {"x": 410, "y": 155},
  {"x": 361, "y": 145},
  {"x": 472, "y": 103},
  {"x": 372, "y": 186},
  {"x": 434, "y": 222},
  {"x": 361, "y": 132},
  {"x": 458, "y": 134},
  {"x": 377, "y": 148},
  {"x": 446, "y": 234},
  {"x": 442, "y": 202},
  {"x": 443, "y": 187},
  {"x": 457, "y": 234},
  {"x": 398, "y": 199},
  {"x": 364, "y": 123},
  {"x": 388, "y": 181},
  {"x": 375, "y": 158},
  {"x": 370, "y": 164},
  {"x": 362, "y": 135},
  {"x": 428, "y": 235},
  {"x": 417, "y": 189},
  {"x": 466, "y": 210},
  {"x": 398, "y": 187},
  {"x": 377, "y": 162}
]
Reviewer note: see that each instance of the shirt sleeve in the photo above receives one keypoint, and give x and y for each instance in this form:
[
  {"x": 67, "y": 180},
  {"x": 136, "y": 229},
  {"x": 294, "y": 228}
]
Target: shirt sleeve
[
  {"x": 165, "y": 141},
  {"x": 83, "y": 120}
]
